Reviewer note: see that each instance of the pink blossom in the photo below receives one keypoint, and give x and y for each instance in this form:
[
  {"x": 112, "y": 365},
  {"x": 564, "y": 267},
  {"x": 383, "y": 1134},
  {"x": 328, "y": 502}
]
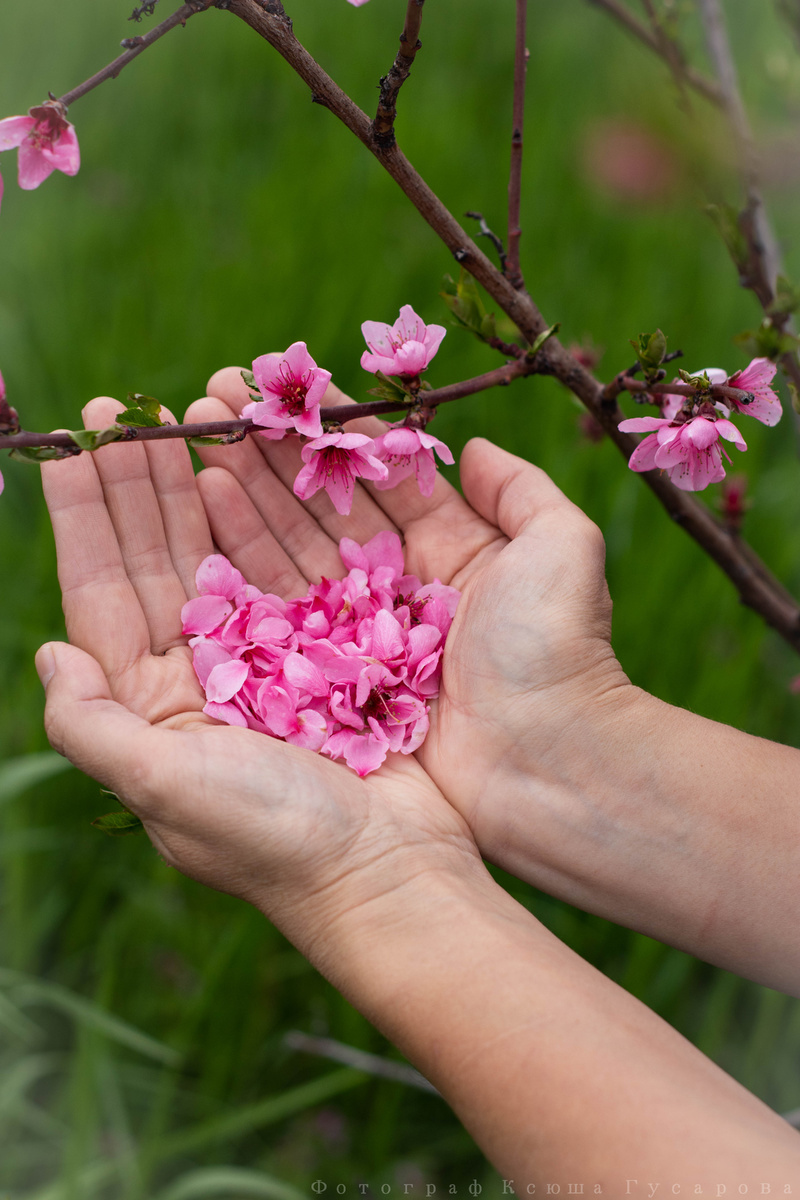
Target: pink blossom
[
  {"x": 334, "y": 461},
  {"x": 690, "y": 451},
  {"x": 348, "y": 670},
  {"x": 404, "y": 348},
  {"x": 292, "y": 386},
  {"x": 407, "y": 451},
  {"x": 46, "y": 141},
  {"x": 756, "y": 378}
]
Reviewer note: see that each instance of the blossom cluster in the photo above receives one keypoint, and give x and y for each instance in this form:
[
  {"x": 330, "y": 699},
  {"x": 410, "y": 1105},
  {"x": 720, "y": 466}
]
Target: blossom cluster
[
  {"x": 685, "y": 440},
  {"x": 291, "y": 388},
  {"x": 347, "y": 670}
]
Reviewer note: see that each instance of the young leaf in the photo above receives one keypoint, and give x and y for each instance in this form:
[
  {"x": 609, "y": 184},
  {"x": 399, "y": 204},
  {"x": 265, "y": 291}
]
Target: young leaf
[
  {"x": 90, "y": 439},
  {"x": 250, "y": 380},
  {"x": 542, "y": 338},
  {"x": 38, "y": 454},
  {"x": 210, "y": 440},
  {"x": 141, "y": 411},
  {"x": 119, "y": 824},
  {"x": 389, "y": 389},
  {"x": 137, "y": 416}
]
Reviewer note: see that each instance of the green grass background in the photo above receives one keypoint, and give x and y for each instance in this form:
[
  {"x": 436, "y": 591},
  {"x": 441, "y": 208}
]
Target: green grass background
[{"x": 219, "y": 214}]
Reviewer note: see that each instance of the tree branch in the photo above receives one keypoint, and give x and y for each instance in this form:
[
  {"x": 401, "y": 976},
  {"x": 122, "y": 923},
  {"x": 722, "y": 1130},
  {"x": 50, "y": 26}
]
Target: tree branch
[
  {"x": 427, "y": 398},
  {"x": 137, "y": 45},
  {"x": 512, "y": 268},
  {"x": 759, "y": 274},
  {"x": 620, "y": 12},
  {"x": 757, "y": 588},
  {"x": 383, "y": 125}
]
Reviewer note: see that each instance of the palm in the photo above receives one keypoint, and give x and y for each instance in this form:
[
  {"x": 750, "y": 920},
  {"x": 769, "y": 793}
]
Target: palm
[
  {"x": 131, "y": 530},
  {"x": 519, "y": 600}
]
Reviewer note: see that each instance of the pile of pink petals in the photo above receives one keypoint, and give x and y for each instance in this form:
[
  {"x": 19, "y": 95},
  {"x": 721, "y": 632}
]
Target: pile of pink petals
[{"x": 348, "y": 670}]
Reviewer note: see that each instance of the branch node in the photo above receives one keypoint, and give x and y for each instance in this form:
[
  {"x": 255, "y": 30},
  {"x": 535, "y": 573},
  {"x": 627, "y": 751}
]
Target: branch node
[{"x": 461, "y": 255}]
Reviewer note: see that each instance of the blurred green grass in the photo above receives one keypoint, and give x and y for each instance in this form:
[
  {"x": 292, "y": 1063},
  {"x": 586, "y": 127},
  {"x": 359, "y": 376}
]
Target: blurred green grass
[{"x": 219, "y": 214}]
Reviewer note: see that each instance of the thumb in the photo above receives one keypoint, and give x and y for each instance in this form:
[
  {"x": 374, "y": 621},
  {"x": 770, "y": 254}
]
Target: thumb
[
  {"x": 87, "y": 726},
  {"x": 508, "y": 491}
]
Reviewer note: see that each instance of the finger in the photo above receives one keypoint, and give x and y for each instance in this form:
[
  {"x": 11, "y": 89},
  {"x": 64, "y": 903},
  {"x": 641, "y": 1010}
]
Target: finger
[
  {"x": 101, "y": 607},
  {"x": 302, "y": 538},
  {"x": 186, "y": 527},
  {"x": 366, "y": 516},
  {"x": 85, "y": 724},
  {"x": 507, "y": 491},
  {"x": 124, "y": 472},
  {"x": 242, "y": 536}
]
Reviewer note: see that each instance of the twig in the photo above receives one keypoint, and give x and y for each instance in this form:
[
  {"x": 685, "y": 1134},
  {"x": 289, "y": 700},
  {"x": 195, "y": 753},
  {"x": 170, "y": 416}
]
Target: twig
[
  {"x": 432, "y": 398},
  {"x": 756, "y": 587},
  {"x": 485, "y": 231},
  {"x": 146, "y": 9},
  {"x": 763, "y": 239},
  {"x": 760, "y": 272},
  {"x": 669, "y": 51},
  {"x": 383, "y": 125},
  {"x": 618, "y": 10},
  {"x": 511, "y": 268},
  {"x": 371, "y": 1064},
  {"x": 180, "y": 17}
]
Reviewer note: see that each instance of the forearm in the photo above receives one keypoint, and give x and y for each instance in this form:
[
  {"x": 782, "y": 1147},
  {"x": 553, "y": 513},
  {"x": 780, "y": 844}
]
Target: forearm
[
  {"x": 673, "y": 825},
  {"x": 560, "y": 1075}
]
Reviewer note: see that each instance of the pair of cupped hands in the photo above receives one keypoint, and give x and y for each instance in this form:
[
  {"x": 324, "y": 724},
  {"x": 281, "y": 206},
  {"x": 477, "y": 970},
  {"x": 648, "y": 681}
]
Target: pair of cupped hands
[{"x": 527, "y": 667}]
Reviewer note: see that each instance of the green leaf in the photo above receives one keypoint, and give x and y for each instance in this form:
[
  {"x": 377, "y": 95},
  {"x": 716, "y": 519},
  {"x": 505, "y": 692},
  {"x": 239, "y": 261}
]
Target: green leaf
[
  {"x": 210, "y": 440},
  {"x": 91, "y": 439},
  {"x": 137, "y": 416},
  {"x": 766, "y": 341},
  {"x": 38, "y": 454},
  {"x": 542, "y": 338},
  {"x": 119, "y": 824},
  {"x": 141, "y": 411},
  {"x": 148, "y": 404},
  {"x": 465, "y": 303},
  {"x": 650, "y": 350},
  {"x": 390, "y": 389},
  {"x": 250, "y": 380}
]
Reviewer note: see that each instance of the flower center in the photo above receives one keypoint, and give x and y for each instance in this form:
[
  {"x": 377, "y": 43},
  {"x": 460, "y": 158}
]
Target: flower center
[{"x": 293, "y": 391}]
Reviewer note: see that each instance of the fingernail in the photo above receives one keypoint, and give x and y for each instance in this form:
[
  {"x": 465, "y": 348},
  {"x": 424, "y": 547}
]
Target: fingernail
[{"x": 45, "y": 662}]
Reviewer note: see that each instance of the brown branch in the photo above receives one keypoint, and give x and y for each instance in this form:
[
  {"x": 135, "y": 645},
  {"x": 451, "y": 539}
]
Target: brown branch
[
  {"x": 763, "y": 266},
  {"x": 428, "y": 398},
  {"x": 512, "y": 268},
  {"x": 756, "y": 587},
  {"x": 383, "y": 125},
  {"x": 618, "y": 10},
  {"x": 180, "y": 17},
  {"x": 669, "y": 50}
]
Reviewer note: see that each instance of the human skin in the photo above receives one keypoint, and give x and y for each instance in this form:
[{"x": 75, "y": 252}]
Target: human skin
[
  {"x": 568, "y": 776},
  {"x": 557, "y": 1072}
]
